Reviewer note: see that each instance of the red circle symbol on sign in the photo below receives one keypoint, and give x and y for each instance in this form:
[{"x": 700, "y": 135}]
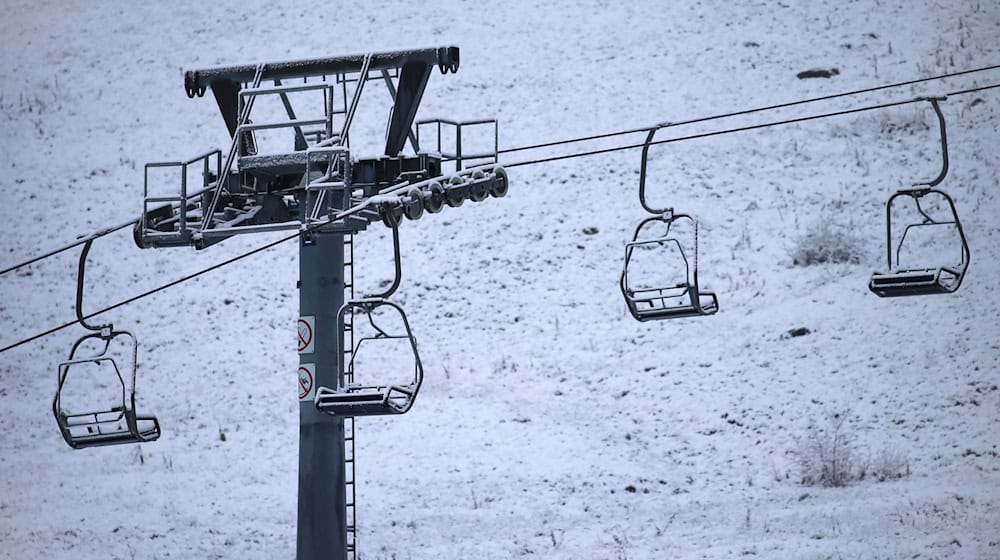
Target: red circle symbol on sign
[
  {"x": 305, "y": 334},
  {"x": 305, "y": 382}
]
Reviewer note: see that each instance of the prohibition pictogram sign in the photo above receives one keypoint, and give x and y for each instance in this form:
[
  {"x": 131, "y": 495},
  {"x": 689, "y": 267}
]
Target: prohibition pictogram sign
[
  {"x": 306, "y": 328},
  {"x": 305, "y": 380}
]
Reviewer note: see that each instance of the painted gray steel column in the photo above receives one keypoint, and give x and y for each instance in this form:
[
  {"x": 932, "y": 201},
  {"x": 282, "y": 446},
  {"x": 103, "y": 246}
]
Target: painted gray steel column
[{"x": 322, "y": 525}]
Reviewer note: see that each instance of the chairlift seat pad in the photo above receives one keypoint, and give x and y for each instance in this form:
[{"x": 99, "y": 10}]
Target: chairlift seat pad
[
  {"x": 95, "y": 429},
  {"x": 649, "y": 307},
  {"x": 915, "y": 282},
  {"x": 365, "y": 401},
  {"x": 355, "y": 395}
]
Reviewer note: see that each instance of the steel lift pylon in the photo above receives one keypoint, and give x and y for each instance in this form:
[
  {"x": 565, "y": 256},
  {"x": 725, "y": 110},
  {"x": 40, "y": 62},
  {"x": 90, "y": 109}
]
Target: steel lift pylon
[{"x": 312, "y": 184}]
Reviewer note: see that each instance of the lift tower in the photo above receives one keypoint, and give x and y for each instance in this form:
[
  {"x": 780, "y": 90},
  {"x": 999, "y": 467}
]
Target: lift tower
[{"x": 312, "y": 185}]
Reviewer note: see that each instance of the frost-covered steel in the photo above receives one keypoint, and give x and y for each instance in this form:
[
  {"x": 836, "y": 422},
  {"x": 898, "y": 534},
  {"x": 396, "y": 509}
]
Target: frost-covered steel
[{"x": 446, "y": 58}]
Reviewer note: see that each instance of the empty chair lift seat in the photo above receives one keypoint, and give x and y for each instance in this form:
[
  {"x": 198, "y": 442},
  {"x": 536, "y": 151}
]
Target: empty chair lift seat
[
  {"x": 920, "y": 281},
  {"x": 112, "y": 425},
  {"x": 356, "y": 399},
  {"x": 359, "y": 400},
  {"x": 683, "y": 299},
  {"x": 941, "y": 280}
]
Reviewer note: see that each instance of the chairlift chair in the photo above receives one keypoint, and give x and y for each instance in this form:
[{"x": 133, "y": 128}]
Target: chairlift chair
[
  {"x": 684, "y": 299},
  {"x": 915, "y": 281},
  {"x": 107, "y": 425},
  {"x": 355, "y": 399},
  {"x": 912, "y": 281}
]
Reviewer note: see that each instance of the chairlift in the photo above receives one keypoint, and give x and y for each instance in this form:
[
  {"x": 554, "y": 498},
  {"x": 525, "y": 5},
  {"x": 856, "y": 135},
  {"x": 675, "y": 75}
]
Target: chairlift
[
  {"x": 105, "y": 425},
  {"x": 901, "y": 280},
  {"x": 357, "y": 399},
  {"x": 683, "y": 299},
  {"x": 914, "y": 281}
]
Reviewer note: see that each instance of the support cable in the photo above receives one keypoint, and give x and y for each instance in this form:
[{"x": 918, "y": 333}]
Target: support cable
[
  {"x": 743, "y": 128},
  {"x": 101, "y": 233},
  {"x": 395, "y": 188},
  {"x": 749, "y": 111},
  {"x": 339, "y": 216},
  {"x": 80, "y": 241},
  {"x": 148, "y": 293}
]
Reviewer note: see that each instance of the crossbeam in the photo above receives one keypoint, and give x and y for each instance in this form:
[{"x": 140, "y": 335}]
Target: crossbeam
[{"x": 197, "y": 81}]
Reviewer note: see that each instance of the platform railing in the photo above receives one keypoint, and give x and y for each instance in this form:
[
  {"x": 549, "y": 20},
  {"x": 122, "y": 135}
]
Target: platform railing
[
  {"x": 458, "y": 155},
  {"x": 211, "y": 175}
]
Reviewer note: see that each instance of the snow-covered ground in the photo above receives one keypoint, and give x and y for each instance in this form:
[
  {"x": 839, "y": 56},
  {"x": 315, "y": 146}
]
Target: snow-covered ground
[{"x": 551, "y": 424}]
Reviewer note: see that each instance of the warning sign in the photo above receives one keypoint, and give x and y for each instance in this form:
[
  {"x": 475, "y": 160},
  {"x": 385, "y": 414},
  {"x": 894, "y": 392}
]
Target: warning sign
[
  {"x": 307, "y": 377},
  {"x": 307, "y": 329}
]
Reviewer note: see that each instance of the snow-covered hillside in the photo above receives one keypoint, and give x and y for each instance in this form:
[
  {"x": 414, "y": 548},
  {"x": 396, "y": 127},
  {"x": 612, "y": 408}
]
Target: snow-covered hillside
[{"x": 551, "y": 424}]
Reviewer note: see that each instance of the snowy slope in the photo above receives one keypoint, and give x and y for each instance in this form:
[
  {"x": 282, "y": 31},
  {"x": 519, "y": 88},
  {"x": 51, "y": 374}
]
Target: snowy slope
[{"x": 550, "y": 424}]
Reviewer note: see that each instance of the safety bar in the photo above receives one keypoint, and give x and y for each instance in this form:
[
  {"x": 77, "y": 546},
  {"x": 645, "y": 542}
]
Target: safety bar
[{"x": 917, "y": 194}]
